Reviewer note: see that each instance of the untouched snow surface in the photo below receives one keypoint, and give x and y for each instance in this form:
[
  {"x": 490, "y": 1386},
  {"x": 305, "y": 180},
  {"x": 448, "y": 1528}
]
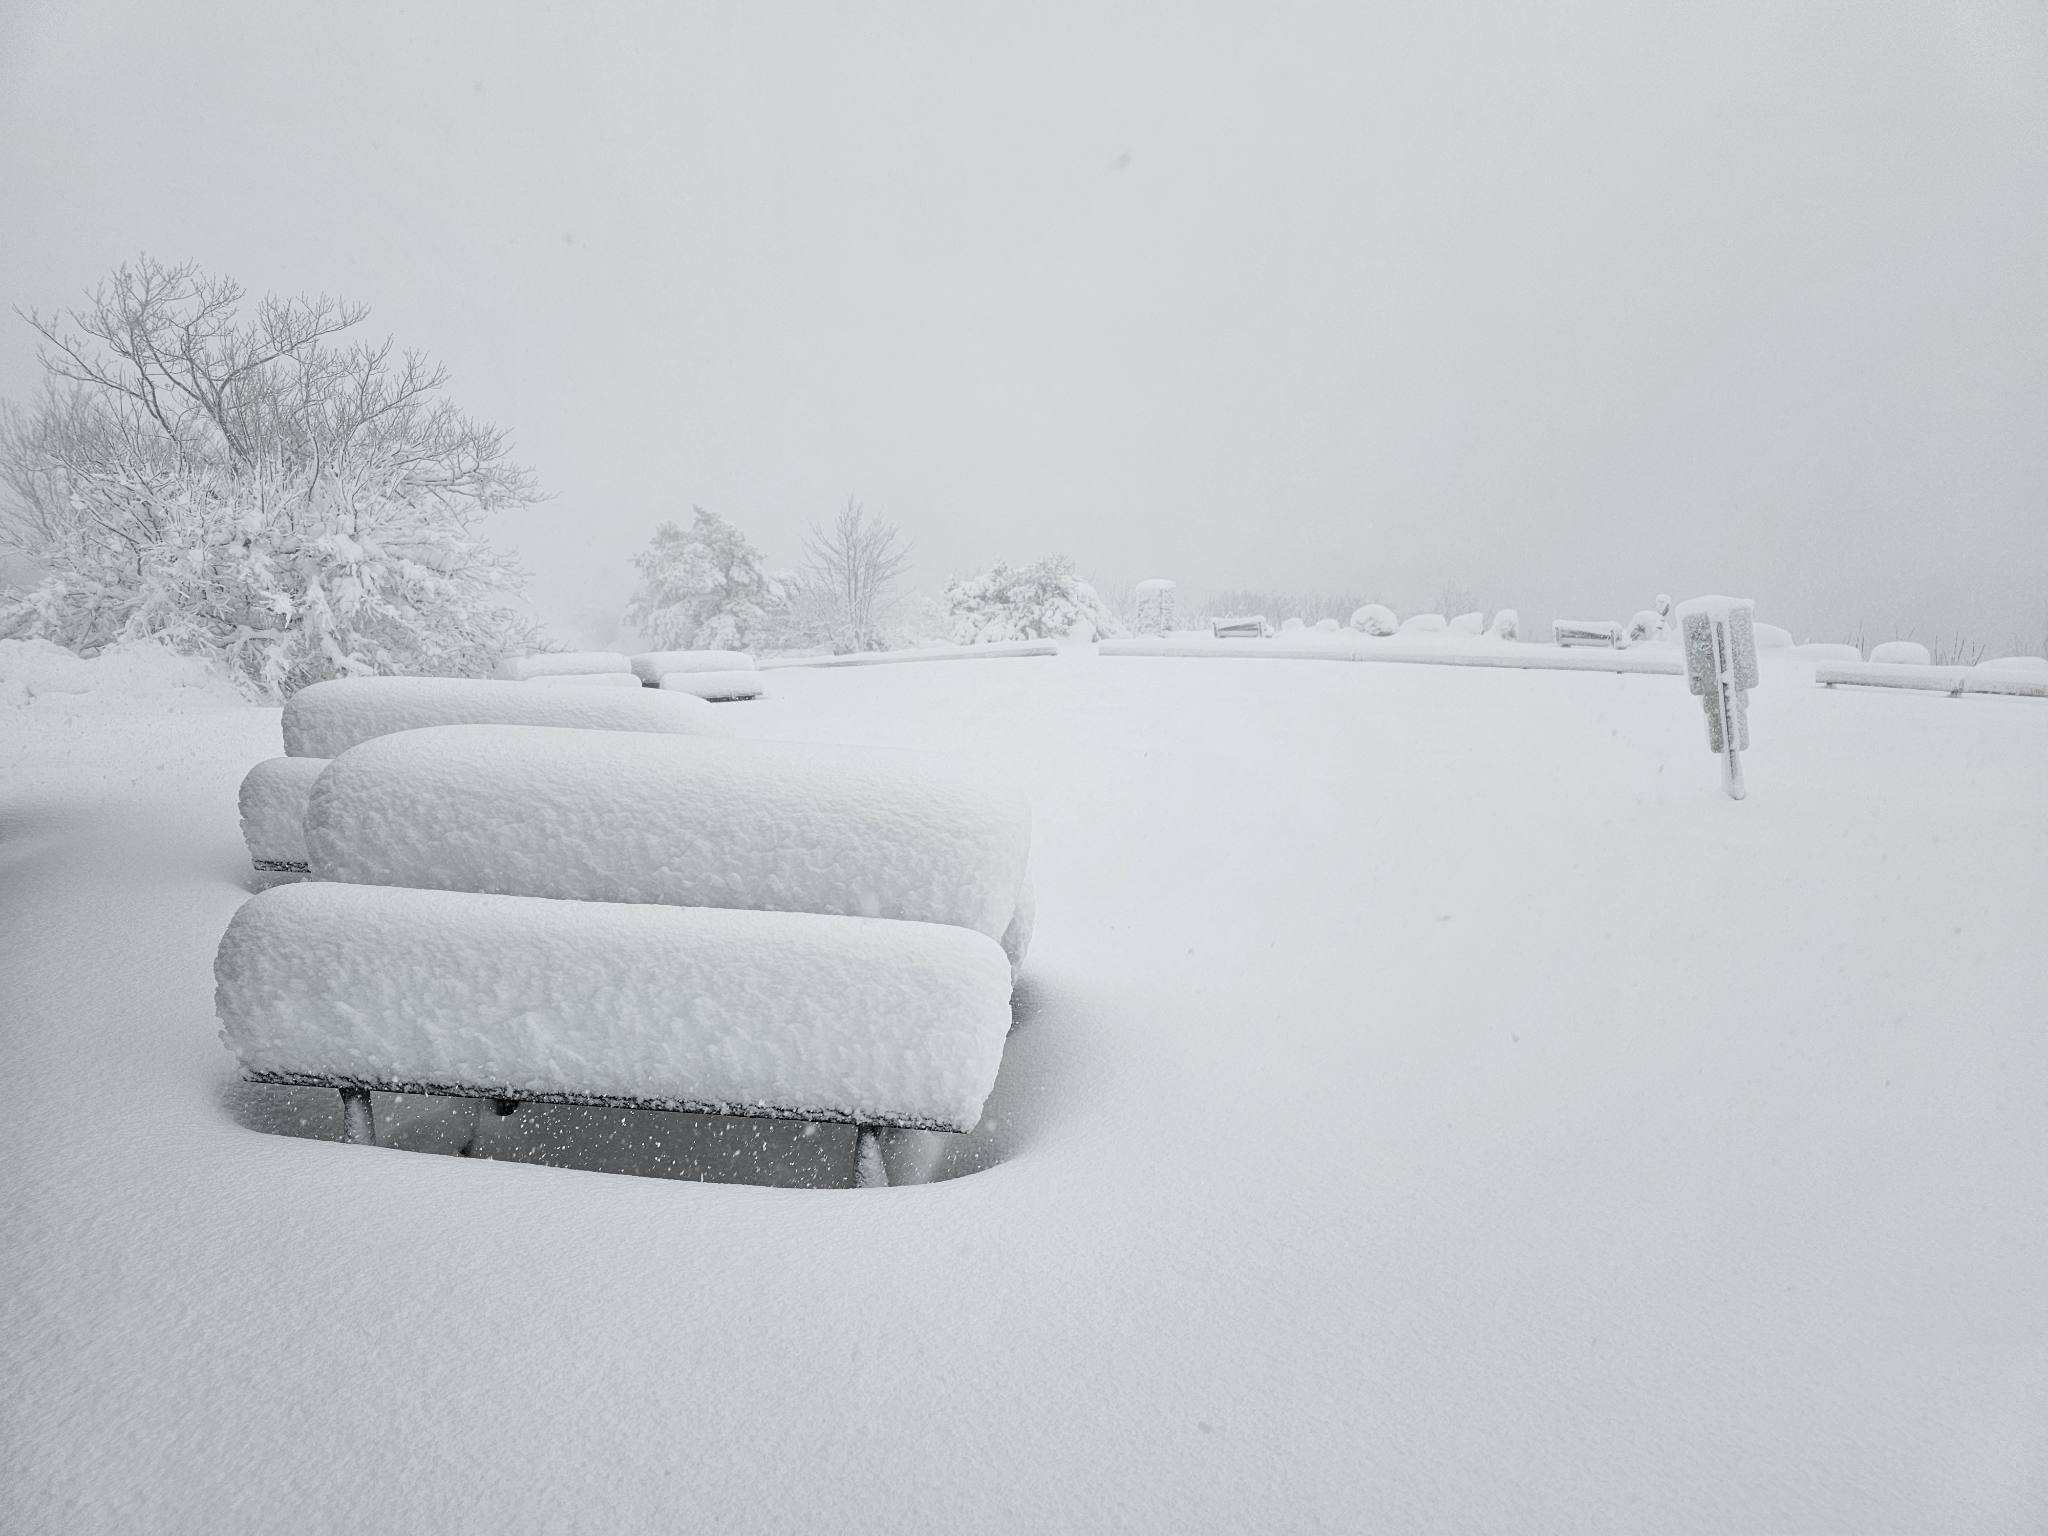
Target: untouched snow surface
[
  {"x": 841, "y": 1018},
  {"x": 628, "y": 816},
  {"x": 1388, "y": 1142}
]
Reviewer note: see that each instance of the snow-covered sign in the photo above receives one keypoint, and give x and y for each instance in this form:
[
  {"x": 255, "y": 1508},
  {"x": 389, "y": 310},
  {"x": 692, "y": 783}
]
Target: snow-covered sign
[
  {"x": 1720, "y": 668},
  {"x": 1586, "y": 632}
]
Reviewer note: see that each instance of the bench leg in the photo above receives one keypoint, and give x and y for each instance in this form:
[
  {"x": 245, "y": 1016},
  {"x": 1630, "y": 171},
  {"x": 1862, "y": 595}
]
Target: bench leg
[
  {"x": 358, "y": 1125},
  {"x": 503, "y": 1107},
  {"x": 869, "y": 1171},
  {"x": 472, "y": 1118}
]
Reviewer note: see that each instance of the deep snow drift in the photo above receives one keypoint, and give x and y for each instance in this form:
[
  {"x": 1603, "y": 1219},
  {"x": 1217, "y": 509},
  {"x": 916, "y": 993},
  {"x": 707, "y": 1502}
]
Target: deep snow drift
[{"x": 1433, "y": 1106}]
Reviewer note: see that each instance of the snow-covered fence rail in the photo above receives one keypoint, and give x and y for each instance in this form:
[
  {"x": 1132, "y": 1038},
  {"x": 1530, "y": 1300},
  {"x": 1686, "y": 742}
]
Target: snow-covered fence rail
[
  {"x": 328, "y": 718},
  {"x": 1447, "y": 653},
  {"x": 993, "y": 650},
  {"x": 1949, "y": 680}
]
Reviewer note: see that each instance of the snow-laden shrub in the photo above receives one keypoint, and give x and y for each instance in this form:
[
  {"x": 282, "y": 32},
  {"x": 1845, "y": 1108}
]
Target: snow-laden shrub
[
  {"x": 244, "y": 487},
  {"x": 1041, "y": 601},
  {"x": 1909, "y": 653},
  {"x": 1328, "y": 627},
  {"x": 2031, "y": 666},
  {"x": 1772, "y": 637},
  {"x": 1425, "y": 624},
  {"x": 1646, "y": 625},
  {"x": 1468, "y": 624},
  {"x": 702, "y": 588},
  {"x": 1291, "y": 626},
  {"x": 1506, "y": 625},
  {"x": 1373, "y": 619}
]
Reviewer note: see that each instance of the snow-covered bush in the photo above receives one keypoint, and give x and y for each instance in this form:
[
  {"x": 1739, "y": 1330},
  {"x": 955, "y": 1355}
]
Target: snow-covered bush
[
  {"x": 1506, "y": 625},
  {"x": 1468, "y": 624},
  {"x": 1646, "y": 625},
  {"x": 243, "y": 488},
  {"x": 1901, "y": 653},
  {"x": 1373, "y": 619},
  {"x": 1291, "y": 626},
  {"x": 1425, "y": 624},
  {"x": 703, "y": 588},
  {"x": 1041, "y": 601},
  {"x": 1772, "y": 637},
  {"x": 1328, "y": 627}
]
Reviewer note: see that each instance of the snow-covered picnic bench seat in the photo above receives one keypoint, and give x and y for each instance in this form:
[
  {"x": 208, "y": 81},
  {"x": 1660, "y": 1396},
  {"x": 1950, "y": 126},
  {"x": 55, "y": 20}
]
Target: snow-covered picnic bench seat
[{"x": 787, "y": 1015}]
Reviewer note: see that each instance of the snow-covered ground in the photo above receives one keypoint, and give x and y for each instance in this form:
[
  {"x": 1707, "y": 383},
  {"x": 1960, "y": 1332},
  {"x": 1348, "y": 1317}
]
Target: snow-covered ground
[{"x": 1432, "y": 1106}]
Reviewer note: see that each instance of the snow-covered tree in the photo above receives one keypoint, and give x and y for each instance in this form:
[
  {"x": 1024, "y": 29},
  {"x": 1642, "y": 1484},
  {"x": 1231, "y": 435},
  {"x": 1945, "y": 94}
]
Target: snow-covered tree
[
  {"x": 851, "y": 570},
  {"x": 1043, "y": 600},
  {"x": 703, "y": 588},
  {"x": 242, "y": 485}
]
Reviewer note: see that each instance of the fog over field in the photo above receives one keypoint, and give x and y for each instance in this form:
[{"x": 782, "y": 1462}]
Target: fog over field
[{"x": 1558, "y": 306}]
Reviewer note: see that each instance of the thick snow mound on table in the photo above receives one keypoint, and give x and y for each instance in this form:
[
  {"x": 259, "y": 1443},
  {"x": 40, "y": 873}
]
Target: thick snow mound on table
[
  {"x": 562, "y": 664},
  {"x": 586, "y": 680},
  {"x": 652, "y": 666},
  {"x": 612, "y": 816},
  {"x": 328, "y": 718},
  {"x": 717, "y": 687},
  {"x": 273, "y": 805},
  {"x": 828, "y": 1017},
  {"x": 1908, "y": 653}
]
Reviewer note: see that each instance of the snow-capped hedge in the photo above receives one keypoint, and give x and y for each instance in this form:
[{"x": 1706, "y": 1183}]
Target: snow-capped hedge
[
  {"x": 1374, "y": 619},
  {"x": 621, "y": 816},
  {"x": 328, "y": 718},
  {"x": 834, "y": 1018},
  {"x": 1041, "y": 601},
  {"x": 1908, "y": 653}
]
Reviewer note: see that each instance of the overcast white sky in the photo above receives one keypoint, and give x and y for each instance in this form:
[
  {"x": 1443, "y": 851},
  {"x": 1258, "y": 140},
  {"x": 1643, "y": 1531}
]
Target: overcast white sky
[{"x": 1559, "y": 304}]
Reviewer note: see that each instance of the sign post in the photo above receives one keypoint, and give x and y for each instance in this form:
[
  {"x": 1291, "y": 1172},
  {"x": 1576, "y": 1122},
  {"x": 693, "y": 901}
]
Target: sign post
[{"x": 1719, "y": 635}]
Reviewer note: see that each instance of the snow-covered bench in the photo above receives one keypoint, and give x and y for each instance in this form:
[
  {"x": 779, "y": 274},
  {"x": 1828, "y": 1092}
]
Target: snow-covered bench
[
  {"x": 613, "y": 816},
  {"x": 328, "y": 718},
  {"x": 520, "y": 669},
  {"x": 512, "y": 998},
  {"x": 652, "y": 666},
  {"x": 715, "y": 687},
  {"x": 1585, "y": 632}
]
